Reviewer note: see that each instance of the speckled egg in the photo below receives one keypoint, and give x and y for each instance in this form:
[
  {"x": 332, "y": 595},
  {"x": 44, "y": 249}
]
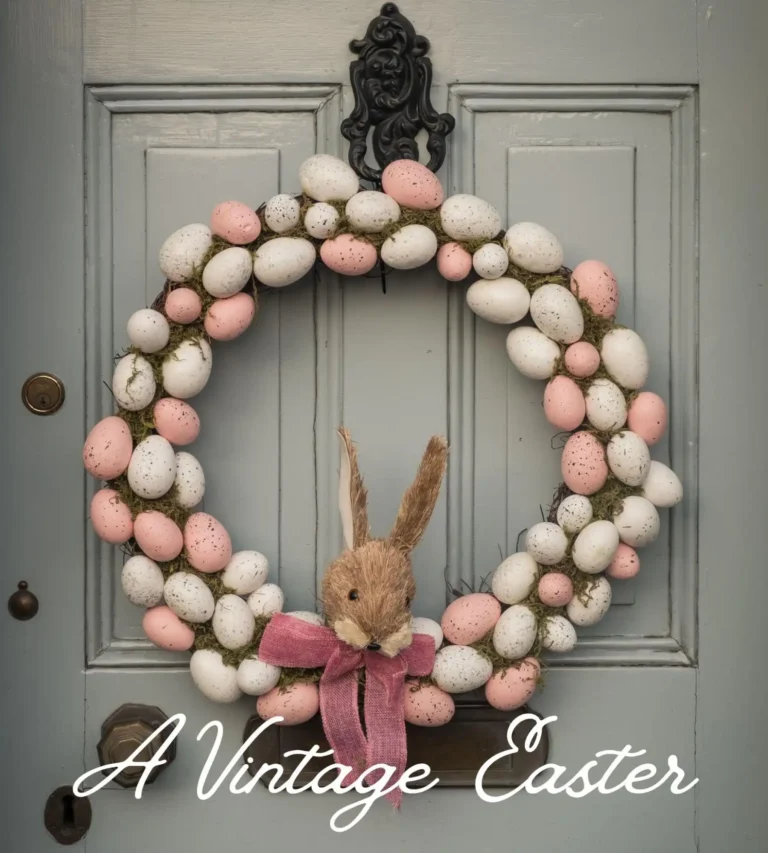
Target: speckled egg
[
  {"x": 511, "y": 688},
  {"x": 164, "y": 628},
  {"x": 628, "y": 457},
  {"x": 227, "y": 319},
  {"x": 469, "y": 618},
  {"x": 176, "y": 421},
  {"x": 598, "y": 600},
  {"x": 183, "y": 306},
  {"x": 423, "y": 625},
  {"x": 503, "y": 300},
  {"x": 245, "y": 572},
  {"x": 490, "y": 261},
  {"x": 283, "y": 261},
  {"x": 233, "y": 622},
  {"x": 158, "y": 536},
  {"x": 459, "y": 669},
  {"x": 348, "y": 255},
  {"x": 152, "y": 468},
  {"x": 582, "y": 359},
  {"x": 546, "y": 543},
  {"x": 594, "y": 281},
  {"x": 213, "y": 678},
  {"x": 295, "y": 704},
  {"x": 110, "y": 517},
  {"x": 228, "y": 272},
  {"x": 637, "y": 521},
  {"x": 327, "y": 178},
  {"x": 190, "y": 480},
  {"x": 427, "y": 705},
  {"x": 148, "y": 330},
  {"x": 564, "y": 405},
  {"x": 594, "y": 548},
  {"x": 235, "y": 222},
  {"x": 321, "y": 220},
  {"x": 514, "y": 579},
  {"x": 107, "y": 450},
  {"x": 583, "y": 464},
  {"x": 606, "y": 405},
  {"x": 255, "y": 678},
  {"x": 574, "y": 513},
  {"x": 189, "y": 597},
  {"x": 648, "y": 417},
  {"x": 372, "y": 211},
  {"x": 556, "y": 312},
  {"x": 662, "y": 486},
  {"x": 409, "y": 247},
  {"x": 515, "y": 632},
  {"x": 266, "y": 600},
  {"x": 412, "y": 184},
  {"x": 625, "y": 358},
  {"x": 533, "y": 248},
  {"x": 142, "y": 581},
  {"x": 467, "y": 217},
  {"x": 133, "y": 382},
  {"x": 532, "y": 352},
  {"x": 206, "y": 543},
  {"x": 557, "y": 634},
  {"x": 183, "y": 252},
  {"x": 625, "y": 563},
  {"x": 454, "y": 262},
  {"x": 282, "y": 213},
  {"x": 555, "y": 589},
  {"x": 187, "y": 369}
]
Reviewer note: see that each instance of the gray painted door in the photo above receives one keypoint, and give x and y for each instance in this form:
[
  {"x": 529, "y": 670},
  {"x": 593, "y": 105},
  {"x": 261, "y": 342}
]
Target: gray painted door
[{"x": 635, "y": 131}]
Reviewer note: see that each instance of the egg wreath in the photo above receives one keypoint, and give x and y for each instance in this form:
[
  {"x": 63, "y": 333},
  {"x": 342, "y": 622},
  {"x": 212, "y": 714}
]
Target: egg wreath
[{"x": 202, "y": 597}]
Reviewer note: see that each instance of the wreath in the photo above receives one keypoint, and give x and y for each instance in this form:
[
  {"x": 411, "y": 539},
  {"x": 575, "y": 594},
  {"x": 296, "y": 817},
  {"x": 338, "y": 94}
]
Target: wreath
[{"x": 200, "y": 596}]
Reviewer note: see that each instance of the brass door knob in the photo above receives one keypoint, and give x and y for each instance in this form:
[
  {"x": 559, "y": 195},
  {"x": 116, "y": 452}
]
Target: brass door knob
[{"x": 123, "y": 731}]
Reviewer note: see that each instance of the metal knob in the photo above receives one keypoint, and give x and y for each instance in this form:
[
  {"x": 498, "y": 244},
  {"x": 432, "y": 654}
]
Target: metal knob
[{"x": 123, "y": 731}]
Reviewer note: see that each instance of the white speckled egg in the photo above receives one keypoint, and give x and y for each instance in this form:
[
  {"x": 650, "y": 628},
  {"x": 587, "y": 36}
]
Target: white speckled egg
[
  {"x": 372, "y": 211},
  {"x": 187, "y": 369},
  {"x": 133, "y": 382},
  {"x": 321, "y": 220},
  {"x": 152, "y": 468},
  {"x": 638, "y": 521},
  {"x": 503, "y": 300},
  {"x": 422, "y": 625},
  {"x": 255, "y": 678},
  {"x": 245, "y": 572},
  {"x": 467, "y": 217},
  {"x": 189, "y": 597},
  {"x": 557, "y": 634},
  {"x": 490, "y": 261},
  {"x": 283, "y": 261},
  {"x": 533, "y": 248},
  {"x": 459, "y": 669},
  {"x": 662, "y": 486},
  {"x": 625, "y": 358},
  {"x": 266, "y": 600},
  {"x": 228, "y": 272},
  {"x": 183, "y": 252},
  {"x": 606, "y": 405},
  {"x": 532, "y": 352},
  {"x": 515, "y": 632},
  {"x": 148, "y": 330},
  {"x": 213, "y": 678},
  {"x": 233, "y": 622},
  {"x": 628, "y": 457},
  {"x": 514, "y": 579},
  {"x": 190, "y": 480},
  {"x": 598, "y": 602},
  {"x": 307, "y": 616},
  {"x": 574, "y": 513},
  {"x": 594, "y": 548},
  {"x": 556, "y": 312},
  {"x": 142, "y": 581},
  {"x": 326, "y": 178},
  {"x": 546, "y": 543},
  {"x": 410, "y": 247},
  {"x": 282, "y": 213}
]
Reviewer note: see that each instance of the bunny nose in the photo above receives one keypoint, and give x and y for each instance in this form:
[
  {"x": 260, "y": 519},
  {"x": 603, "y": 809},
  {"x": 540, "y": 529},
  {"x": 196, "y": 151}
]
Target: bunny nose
[{"x": 373, "y": 647}]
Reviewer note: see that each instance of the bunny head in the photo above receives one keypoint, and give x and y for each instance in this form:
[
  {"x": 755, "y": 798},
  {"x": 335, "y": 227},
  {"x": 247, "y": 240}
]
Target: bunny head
[{"x": 368, "y": 590}]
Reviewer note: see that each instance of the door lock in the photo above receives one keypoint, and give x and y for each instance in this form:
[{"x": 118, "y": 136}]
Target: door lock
[
  {"x": 66, "y": 816},
  {"x": 43, "y": 394}
]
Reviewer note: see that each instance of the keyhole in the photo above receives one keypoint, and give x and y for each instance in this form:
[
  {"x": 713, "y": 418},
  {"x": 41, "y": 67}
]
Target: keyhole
[
  {"x": 44, "y": 401},
  {"x": 67, "y": 817},
  {"x": 68, "y": 813}
]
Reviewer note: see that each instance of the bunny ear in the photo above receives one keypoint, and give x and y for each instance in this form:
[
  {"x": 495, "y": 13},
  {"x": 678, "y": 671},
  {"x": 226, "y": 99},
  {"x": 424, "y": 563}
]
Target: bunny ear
[
  {"x": 421, "y": 496},
  {"x": 353, "y": 497}
]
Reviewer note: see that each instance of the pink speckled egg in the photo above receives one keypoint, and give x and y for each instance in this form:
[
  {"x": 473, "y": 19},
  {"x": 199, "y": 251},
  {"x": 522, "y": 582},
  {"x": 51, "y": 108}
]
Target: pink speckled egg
[
  {"x": 164, "y": 628},
  {"x": 582, "y": 359},
  {"x": 183, "y": 306},
  {"x": 583, "y": 464},
  {"x": 555, "y": 589},
  {"x": 470, "y": 618},
  {"x": 564, "y": 405},
  {"x": 647, "y": 416},
  {"x": 176, "y": 421},
  {"x": 594, "y": 281},
  {"x": 296, "y": 704},
  {"x": 158, "y": 536},
  {"x": 108, "y": 449},
  {"x": 227, "y": 319},
  {"x": 511, "y": 688},
  {"x": 625, "y": 563},
  {"x": 207, "y": 543},
  {"x": 235, "y": 222},
  {"x": 412, "y": 185},
  {"x": 454, "y": 262},
  {"x": 110, "y": 517},
  {"x": 427, "y": 705},
  {"x": 347, "y": 255}
]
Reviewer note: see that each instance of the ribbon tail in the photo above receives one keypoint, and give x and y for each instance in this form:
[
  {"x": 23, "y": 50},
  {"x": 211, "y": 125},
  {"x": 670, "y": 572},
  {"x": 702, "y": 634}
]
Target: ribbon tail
[
  {"x": 385, "y": 721},
  {"x": 341, "y": 721}
]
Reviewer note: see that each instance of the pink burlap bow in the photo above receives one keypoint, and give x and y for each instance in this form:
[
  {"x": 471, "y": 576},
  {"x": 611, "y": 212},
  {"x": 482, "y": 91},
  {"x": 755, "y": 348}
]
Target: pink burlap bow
[{"x": 291, "y": 642}]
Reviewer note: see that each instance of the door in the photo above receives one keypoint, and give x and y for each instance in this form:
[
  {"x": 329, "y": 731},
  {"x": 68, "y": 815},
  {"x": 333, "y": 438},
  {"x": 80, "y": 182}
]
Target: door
[{"x": 635, "y": 132}]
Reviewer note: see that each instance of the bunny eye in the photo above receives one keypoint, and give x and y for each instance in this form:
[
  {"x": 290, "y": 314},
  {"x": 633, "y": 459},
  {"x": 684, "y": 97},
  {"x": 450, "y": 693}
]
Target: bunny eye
[
  {"x": 353, "y": 595},
  {"x": 407, "y": 601}
]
